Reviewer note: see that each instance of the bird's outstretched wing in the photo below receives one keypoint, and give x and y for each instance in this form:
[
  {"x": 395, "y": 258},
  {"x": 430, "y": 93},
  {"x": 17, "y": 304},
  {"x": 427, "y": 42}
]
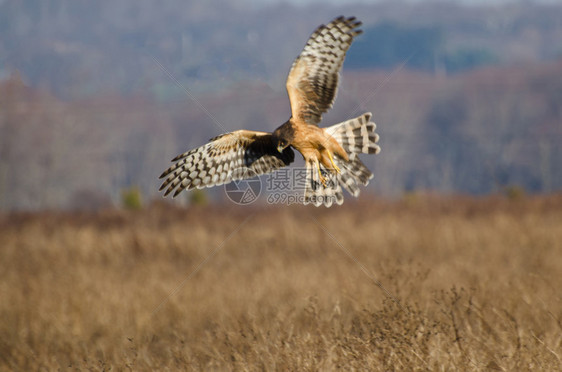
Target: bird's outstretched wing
[
  {"x": 228, "y": 157},
  {"x": 313, "y": 80}
]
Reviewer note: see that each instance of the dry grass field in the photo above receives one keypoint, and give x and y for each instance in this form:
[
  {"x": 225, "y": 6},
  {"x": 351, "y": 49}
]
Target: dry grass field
[{"x": 478, "y": 281}]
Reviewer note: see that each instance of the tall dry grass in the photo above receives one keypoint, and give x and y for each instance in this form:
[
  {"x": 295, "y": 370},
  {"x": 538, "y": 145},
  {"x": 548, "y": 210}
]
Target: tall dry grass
[{"x": 478, "y": 283}]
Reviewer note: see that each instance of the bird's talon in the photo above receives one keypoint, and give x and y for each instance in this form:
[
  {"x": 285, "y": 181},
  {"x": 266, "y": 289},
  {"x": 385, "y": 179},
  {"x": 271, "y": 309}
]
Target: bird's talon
[{"x": 334, "y": 166}]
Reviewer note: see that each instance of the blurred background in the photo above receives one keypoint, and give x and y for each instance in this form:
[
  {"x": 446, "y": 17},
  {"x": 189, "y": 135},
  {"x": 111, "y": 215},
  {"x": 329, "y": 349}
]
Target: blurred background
[
  {"x": 449, "y": 260},
  {"x": 97, "y": 97}
]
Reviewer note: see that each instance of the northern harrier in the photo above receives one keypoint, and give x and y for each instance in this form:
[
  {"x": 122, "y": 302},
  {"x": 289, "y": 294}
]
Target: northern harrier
[{"x": 330, "y": 154}]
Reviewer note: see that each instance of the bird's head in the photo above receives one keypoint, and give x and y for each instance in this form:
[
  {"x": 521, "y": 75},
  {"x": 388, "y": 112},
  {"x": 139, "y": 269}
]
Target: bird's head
[
  {"x": 283, "y": 137},
  {"x": 282, "y": 144}
]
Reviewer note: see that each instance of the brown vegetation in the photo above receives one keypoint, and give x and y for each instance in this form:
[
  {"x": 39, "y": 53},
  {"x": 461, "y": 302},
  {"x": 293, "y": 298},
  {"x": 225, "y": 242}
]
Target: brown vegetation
[{"x": 478, "y": 285}]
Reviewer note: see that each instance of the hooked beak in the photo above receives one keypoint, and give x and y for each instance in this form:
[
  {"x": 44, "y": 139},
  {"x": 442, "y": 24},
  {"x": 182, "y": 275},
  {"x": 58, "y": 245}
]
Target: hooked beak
[{"x": 280, "y": 148}]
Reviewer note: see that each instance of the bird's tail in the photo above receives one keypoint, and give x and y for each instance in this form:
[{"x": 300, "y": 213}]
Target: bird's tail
[{"x": 356, "y": 136}]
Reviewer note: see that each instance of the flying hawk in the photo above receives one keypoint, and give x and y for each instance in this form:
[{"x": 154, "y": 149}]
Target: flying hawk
[{"x": 330, "y": 154}]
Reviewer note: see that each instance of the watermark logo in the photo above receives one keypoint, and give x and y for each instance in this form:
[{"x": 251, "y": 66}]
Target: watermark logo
[
  {"x": 246, "y": 190},
  {"x": 285, "y": 186}
]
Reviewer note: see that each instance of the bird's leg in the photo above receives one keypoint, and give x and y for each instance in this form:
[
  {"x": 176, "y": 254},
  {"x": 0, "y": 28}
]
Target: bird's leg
[{"x": 334, "y": 166}]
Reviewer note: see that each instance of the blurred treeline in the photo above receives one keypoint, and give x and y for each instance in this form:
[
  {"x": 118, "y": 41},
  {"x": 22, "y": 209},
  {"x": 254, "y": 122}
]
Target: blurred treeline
[{"x": 96, "y": 97}]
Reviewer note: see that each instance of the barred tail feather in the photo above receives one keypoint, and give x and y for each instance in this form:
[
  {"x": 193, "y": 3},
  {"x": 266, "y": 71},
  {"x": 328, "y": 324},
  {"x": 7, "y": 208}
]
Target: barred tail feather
[
  {"x": 356, "y": 135},
  {"x": 316, "y": 192},
  {"x": 353, "y": 173}
]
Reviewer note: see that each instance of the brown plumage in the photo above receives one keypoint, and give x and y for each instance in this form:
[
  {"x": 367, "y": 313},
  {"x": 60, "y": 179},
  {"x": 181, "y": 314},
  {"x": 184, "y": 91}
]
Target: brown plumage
[{"x": 312, "y": 87}]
